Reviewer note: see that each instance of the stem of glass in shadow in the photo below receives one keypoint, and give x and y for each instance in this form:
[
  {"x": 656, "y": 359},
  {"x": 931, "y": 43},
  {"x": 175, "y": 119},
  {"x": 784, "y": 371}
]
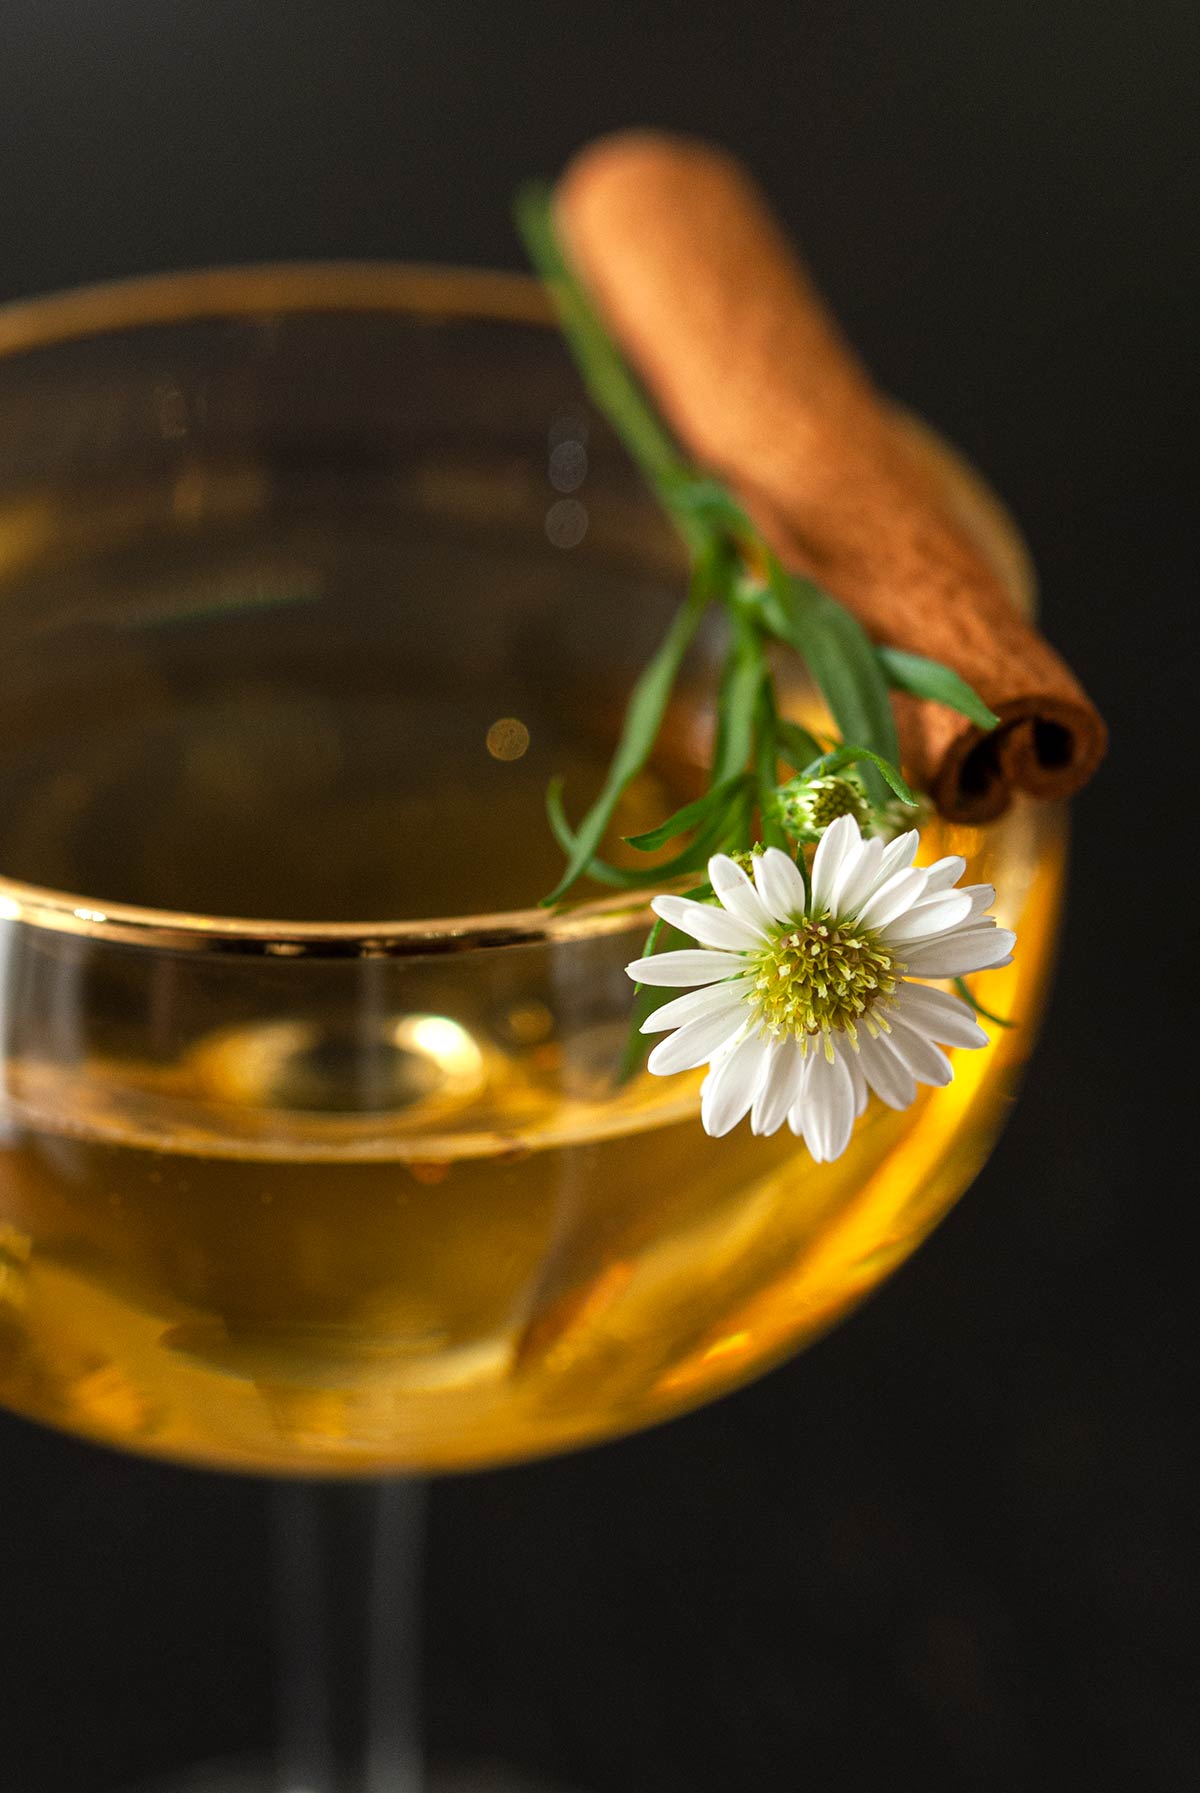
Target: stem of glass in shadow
[{"x": 348, "y": 1572}]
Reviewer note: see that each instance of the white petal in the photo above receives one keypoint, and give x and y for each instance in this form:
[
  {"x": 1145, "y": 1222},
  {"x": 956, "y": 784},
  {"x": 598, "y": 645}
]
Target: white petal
[
  {"x": 932, "y": 915},
  {"x": 737, "y": 894},
  {"x": 857, "y": 878},
  {"x": 839, "y": 839},
  {"x": 731, "y": 1085},
  {"x": 779, "y": 1085},
  {"x": 892, "y": 1081},
  {"x": 892, "y": 898},
  {"x": 796, "y": 1115},
  {"x": 779, "y": 884},
  {"x": 695, "y": 1043},
  {"x": 712, "y": 999},
  {"x": 899, "y": 854},
  {"x": 973, "y": 948},
  {"x": 829, "y": 1103},
  {"x": 858, "y": 1079},
  {"x": 668, "y": 969},
  {"x": 945, "y": 872},
  {"x": 927, "y": 1062},
  {"x": 982, "y": 897},
  {"x": 707, "y": 924},
  {"x": 939, "y": 1015}
]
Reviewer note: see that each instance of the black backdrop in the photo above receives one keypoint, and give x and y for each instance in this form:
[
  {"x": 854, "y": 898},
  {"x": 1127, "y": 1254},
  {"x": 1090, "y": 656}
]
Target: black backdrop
[{"x": 951, "y": 1543}]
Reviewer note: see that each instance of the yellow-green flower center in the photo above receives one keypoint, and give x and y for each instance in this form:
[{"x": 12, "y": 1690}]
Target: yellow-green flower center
[{"x": 823, "y": 976}]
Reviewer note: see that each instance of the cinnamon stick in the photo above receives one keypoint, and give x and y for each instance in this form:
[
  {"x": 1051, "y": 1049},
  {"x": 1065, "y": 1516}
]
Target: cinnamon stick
[{"x": 708, "y": 300}]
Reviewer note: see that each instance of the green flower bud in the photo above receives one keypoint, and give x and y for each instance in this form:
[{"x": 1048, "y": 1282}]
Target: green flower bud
[
  {"x": 807, "y": 806},
  {"x": 745, "y": 857}
]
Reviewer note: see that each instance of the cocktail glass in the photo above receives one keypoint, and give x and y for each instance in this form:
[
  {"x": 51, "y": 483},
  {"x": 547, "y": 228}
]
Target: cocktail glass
[{"x": 321, "y": 1151}]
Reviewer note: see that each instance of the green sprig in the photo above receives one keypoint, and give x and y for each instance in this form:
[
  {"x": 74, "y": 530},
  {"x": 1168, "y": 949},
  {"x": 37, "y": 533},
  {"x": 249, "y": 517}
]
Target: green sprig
[
  {"x": 929, "y": 678},
  {"x": 835, "y": 648},
  {"x": 766, "y": 766},
  {"x": 643, "y": 719},
  {"x": 713, "y": 803},
  {"x": 796, "y": 745},
  {"x": 968, "y": 995},
  {"x": 605, "y": 375},
  {"x": 842, "y": 757},
  {"x": 735, "y": 570}
]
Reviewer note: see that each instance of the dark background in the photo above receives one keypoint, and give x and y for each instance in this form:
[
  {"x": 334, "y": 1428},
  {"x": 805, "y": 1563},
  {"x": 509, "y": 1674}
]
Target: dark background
[{"x": 951, "y": 1545}]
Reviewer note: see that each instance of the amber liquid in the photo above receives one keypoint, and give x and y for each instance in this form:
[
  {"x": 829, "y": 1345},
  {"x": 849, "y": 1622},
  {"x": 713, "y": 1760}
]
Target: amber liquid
[{"x": 484, "y": 1245}]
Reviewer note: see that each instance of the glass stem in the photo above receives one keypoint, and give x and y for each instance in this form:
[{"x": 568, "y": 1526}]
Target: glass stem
[{"x": 347, "y": 1566}]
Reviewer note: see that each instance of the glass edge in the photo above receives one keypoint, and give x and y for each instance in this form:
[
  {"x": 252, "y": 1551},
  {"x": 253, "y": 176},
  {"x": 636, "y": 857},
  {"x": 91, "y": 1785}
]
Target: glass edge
[
  {"x": 433, "y": 291},
  {"x": 148, "y": 301},
  {"x": 172, "y": 930}
]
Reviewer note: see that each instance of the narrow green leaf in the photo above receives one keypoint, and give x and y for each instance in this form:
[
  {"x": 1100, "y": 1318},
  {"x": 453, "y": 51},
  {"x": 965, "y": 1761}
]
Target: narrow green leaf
[
  {"x": 766, "y": 765},
  {"x": 703, "y": 497},
  {"x": 716, "y": 800},
  {"x": 596, "y": 868},
  {"x": 849, "y": 755},
  {"x": 643, "y": 718},
  {"x": 698, "y": 894},
  {"x": 648, "y": 997},
  {"x": 796, "y": 745},
  {"x": 965, "y": 991},
  {"x": 608, "y": 380},
  {"x": 739, "y": 834},
  {"x": 929, "y": 678},
  {"x": 838, "y": 654},
  {"x": 653, "y": 877},
  {"x": 652, "y": 940},
  {"x": 741, "y": 680},
  {"x": 706, "y": 843}
]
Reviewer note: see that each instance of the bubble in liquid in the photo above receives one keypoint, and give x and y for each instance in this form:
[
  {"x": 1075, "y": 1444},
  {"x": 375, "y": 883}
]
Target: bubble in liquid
[
  {"x": 568, "y": 466},
  {"x": 566, "y": 523},
  {"x": 507, "y": 739}
]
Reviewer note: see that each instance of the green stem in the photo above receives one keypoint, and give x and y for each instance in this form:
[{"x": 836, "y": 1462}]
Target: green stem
[
  {"x": 742, "y": 677},
  {"x": 968, "y": 995},
  {"x": 766, "y": 764},
  {"x": 643, "y": 717},
  {"x": 846, "y": 667},
  {"x": 648, "y": 997},
  {"x": 605, "y": 375}
]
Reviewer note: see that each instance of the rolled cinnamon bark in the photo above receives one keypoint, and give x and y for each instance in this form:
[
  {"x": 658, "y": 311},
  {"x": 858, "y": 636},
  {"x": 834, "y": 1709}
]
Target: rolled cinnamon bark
[{"x": 705, "y": 295}]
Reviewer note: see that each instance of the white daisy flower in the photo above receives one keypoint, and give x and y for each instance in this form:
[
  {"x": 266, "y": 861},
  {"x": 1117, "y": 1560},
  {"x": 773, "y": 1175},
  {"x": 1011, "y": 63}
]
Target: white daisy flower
[{"x": 804, "y": 1003}]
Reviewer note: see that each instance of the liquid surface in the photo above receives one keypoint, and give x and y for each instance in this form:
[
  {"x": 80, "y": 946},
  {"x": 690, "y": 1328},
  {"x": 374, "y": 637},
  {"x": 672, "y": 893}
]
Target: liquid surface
[{"x": 350, "y": 1218}]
